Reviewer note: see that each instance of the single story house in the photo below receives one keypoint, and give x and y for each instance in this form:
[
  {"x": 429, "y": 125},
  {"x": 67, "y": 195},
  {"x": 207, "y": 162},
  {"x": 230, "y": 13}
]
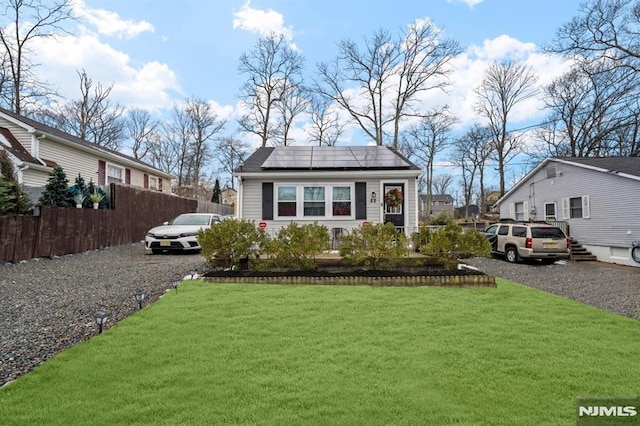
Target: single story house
[
  {"x": 36, "y": 149},
  {"x": 439, "y": 203},
  {"x": 596, "y": 199},
  {"x": 340, "y": 187}
]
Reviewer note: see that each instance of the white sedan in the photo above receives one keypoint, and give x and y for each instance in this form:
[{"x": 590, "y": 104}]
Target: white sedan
[{"x": 179, "y": 234}]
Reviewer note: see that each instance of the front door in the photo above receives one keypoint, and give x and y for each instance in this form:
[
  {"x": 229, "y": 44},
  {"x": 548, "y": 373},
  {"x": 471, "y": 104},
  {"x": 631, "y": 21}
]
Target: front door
[{"x": 394, "y": 204}]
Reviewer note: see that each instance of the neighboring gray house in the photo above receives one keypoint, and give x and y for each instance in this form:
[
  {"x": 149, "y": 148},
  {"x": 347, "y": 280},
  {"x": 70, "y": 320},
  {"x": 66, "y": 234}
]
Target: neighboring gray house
[
  {"x": 340, "y": 187},
  {"x": 599, "y": 199},
  {"x": 439, "y": 203}
]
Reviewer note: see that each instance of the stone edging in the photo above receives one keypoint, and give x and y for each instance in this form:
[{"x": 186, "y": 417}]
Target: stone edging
[{"x": 401, "y": 281}]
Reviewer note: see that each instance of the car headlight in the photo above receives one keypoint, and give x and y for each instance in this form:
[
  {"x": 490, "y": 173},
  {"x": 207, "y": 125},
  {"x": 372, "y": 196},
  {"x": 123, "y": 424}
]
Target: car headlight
[
  {"x": 189, "y": 234},
  {"x": 149, "y": 234}
]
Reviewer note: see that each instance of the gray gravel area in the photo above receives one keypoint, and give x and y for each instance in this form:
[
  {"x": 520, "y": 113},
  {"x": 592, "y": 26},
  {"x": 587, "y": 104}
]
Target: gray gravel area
[
  {"x": 47, "y": 305},
  {"x": 610, "y": 287}
]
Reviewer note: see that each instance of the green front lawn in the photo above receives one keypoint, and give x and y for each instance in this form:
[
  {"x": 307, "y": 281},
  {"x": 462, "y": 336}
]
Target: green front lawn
[{"x": 265, "y": 354}]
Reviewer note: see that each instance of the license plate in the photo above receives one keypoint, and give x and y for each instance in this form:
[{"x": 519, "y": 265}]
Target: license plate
[
  {"x": 165, "y": 243},
  {"x": 549, "y": 245}
]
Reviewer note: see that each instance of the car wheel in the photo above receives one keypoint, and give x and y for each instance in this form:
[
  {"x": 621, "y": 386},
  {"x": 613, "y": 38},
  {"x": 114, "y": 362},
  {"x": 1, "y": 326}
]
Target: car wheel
[{"x": 511, "y": 254}]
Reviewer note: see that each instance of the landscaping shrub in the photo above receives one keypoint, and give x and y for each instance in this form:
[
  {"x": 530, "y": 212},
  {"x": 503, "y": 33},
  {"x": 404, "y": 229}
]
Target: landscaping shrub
[
  {"x": 228, "y": 242},
  {"x": 13, "y": 198},
  {"x": 56, "y": 192},
  {"x": 441, "y": 219},
  {"x": 377, "y": 246},
  {"x": 297, "y": 246},
  {"x": 453, "y": 242},
  {"x": 421, "y": 237},
  {"x": 97, "y": 193}
]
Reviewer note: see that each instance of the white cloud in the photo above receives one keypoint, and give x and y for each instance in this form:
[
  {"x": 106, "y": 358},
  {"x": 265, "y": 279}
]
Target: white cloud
[
  {"x": 263, "y": 22},
  {"x": 469, "y": 3},
  {"x": 110, "y": 23},
  {"x": 148, "y": 86}
]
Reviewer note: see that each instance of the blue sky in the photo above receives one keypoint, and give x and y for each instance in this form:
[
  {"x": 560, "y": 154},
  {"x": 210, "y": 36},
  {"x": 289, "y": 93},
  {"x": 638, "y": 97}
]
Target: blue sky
[{"x": 158, "y": 52}]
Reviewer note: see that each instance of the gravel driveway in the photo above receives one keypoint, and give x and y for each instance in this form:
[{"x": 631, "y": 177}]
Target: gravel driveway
[
  {"x": 609, "y": 287},
  {"x": 47, "y": 305}
]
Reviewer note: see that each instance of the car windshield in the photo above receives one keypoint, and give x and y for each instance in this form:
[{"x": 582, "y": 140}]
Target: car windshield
[
  {"x": 555, "y": 233},
  {"x": 191, "y": 219}
]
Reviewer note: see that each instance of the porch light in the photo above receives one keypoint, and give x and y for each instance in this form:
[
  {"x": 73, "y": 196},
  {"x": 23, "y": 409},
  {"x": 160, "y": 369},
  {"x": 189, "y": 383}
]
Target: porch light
[
  {"x": 101, "y": 319},
  {"x": 374, "y": 197},
  {"x": 140, "y": 297},
  {"x": 175, "y": 283}
]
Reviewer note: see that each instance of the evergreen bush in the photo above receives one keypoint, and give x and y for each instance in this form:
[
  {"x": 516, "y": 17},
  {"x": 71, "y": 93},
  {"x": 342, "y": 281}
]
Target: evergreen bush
[
  {"x": 377, "y": 246},
  {"x": 297, "y": 246},
  {"x": 13, "y": 198},
  {"x": 56, "y": 192},
  {"x": 228, "y": 242},
  {"x": 453, "y": 242}
]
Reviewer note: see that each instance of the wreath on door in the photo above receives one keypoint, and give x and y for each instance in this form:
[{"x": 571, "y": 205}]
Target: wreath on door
[{"x": 393, "y": 198}]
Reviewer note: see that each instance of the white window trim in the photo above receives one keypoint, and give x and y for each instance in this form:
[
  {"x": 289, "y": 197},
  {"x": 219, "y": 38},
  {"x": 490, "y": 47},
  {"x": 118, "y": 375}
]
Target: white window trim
[
  {"x": 157, "y": 188},
  {"x": 328, "y": 201},
  {"x": 586, "y": 207},
  {"x": 555, "y": 211},
  {"x": 124, "y": 176}
]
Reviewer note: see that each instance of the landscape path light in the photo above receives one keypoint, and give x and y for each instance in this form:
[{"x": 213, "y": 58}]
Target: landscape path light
[
  {"x": 101, "y": 319},
  {"x": 175, "y": 283},
  {"x": 140, "y": 297}
]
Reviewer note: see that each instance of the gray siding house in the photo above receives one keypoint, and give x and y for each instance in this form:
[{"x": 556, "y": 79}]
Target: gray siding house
[
  {"x": 439, "y": 203},
  {"x": 598, "y": 198},
  {"x": 340, "y": 187}
]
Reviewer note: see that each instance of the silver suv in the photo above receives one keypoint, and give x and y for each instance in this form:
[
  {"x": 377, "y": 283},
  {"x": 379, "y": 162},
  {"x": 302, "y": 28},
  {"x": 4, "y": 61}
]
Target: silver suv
[{"x": 524, "y": 240}]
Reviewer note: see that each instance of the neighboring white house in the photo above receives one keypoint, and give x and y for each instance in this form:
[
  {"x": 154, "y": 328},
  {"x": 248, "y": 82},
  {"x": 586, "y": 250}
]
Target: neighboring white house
[
  {"x": 340, "y": 187},
  {"x": 36, "y": 149},
  {"x": 598, "y": 198}
]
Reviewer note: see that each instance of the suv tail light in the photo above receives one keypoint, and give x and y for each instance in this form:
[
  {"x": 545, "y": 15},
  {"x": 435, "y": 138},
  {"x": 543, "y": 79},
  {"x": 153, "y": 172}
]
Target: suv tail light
[
  {"x": 568, "y": 242},
  {"x": 528, "y": 243}
]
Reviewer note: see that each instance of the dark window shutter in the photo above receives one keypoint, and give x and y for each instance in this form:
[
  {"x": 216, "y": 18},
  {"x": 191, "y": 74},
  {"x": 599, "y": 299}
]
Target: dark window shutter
[
  {"x": 267, "y": 200},
  {"x": 159, "y": 184},
  {"x": 102, "y": 172},
  {"x": 146, "y": 181},
  {"x": 361, "y": 200},
  {"x": 127, "y": 176}
]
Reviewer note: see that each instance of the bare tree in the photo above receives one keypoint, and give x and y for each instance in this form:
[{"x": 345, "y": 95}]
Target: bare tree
[
  {"x": 593, "y": 110},
  {"x": 293, "y": 102},
  {"x": 462, "y": 156},
  {"x": 477, "y": 147},
  {"x": 505, "y": 85},
  {"x": 605, "y": 29},
  {"x": 92, "y": 117},
  {"x": 176, "y": 140},
  {"x": 143, "y": 131},
  {"x": 325, "y": 127},
  {"x": 425, "y": 140},
  {"x": 441, "y": 184},
  {"x": 231, "y": 153},
  {"x": 272, "y": 69},
  {"x": 204, "y": 125},
  {"x": 379, "y": 84},
  {"x": 24, "y": 21}
]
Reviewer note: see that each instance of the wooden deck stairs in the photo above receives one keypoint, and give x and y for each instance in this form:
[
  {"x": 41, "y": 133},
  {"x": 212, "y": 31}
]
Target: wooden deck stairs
[{"x": 579, "y": 253}]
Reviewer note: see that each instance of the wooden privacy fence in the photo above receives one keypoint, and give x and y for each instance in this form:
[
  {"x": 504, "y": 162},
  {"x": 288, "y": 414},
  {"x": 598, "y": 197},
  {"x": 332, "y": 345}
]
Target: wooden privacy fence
[{"x": 58, "y": 231}]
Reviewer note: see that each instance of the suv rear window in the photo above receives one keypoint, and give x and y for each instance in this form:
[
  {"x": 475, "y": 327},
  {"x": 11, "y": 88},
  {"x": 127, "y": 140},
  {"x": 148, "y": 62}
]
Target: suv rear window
[
  {"x": 547, "y": 233},
  {"x": 519, "y": 231}
]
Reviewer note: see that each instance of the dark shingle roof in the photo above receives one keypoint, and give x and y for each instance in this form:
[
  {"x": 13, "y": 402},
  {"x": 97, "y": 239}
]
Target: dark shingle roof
[
  {"x": 66, "y": 136},
  {"x": 628, "y": 165},
  {"x": 284, "y": 158},
  {"x": 16, "y": 147}
]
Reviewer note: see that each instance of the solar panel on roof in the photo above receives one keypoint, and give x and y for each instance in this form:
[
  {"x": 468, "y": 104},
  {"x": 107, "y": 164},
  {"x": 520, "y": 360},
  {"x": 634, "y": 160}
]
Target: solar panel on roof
[{"x": 304, "y": 157}]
